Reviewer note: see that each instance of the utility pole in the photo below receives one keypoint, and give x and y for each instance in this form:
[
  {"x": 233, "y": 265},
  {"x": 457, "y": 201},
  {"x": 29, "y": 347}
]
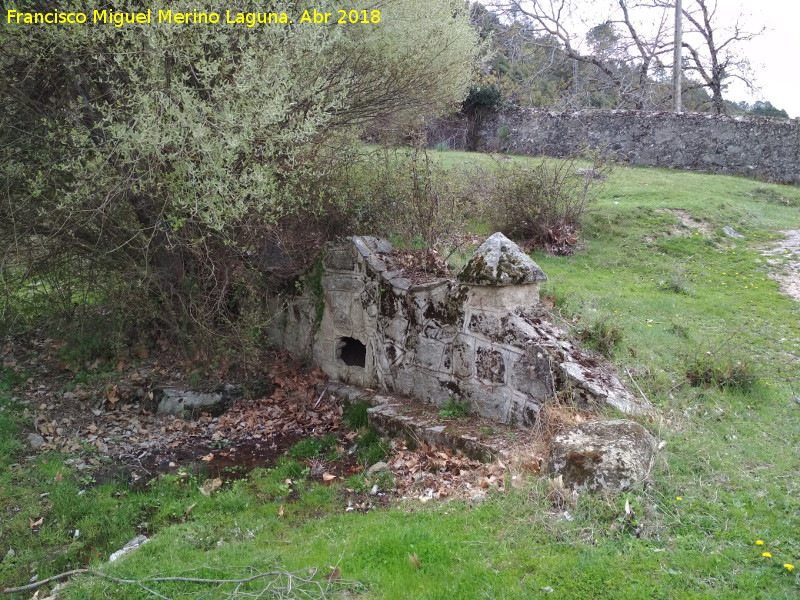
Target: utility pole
[
  {"x": 677, "y": 68},
  {"x": 575, "y": 77}
]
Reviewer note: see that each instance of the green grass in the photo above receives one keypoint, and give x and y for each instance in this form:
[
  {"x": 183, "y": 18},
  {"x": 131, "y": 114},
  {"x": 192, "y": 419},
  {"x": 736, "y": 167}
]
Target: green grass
[
  {"x": 453, "y": 409},
  {"x": 312, "y": 447},
  {"x": 677, "y": 300}
]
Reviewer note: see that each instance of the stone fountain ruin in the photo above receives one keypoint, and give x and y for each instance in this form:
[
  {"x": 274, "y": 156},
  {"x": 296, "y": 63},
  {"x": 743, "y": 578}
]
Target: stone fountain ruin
[{"x": 482, "y": 337}]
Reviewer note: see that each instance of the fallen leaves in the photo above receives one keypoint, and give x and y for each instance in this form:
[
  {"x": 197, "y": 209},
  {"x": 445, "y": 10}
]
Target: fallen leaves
[
  {"x": 430, "y": 473},
  {"x": 112, "y": 396}
]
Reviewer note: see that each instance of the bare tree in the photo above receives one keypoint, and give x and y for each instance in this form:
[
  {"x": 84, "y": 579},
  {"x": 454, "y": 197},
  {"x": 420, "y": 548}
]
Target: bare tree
[
  {"x": 628, "y": 39},
  {"x": 649, "y": 48},
  {"x": 616, "y": 47},
  {"x": 714, "y": 53}
]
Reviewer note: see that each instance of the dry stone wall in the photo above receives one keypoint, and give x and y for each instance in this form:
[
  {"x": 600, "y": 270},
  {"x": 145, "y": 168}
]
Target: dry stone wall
[{"x": 760, "y": 147}]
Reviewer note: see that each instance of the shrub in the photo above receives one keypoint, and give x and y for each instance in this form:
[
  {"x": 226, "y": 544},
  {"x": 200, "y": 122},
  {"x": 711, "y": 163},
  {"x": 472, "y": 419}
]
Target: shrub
[
  {"x": 482, "y": 98},
  {"x": 710, "y": 370},
  {"x": 149, "y": 184},
  {"x": 542, "y": 204},
  {"x": 400, "y": 194}
]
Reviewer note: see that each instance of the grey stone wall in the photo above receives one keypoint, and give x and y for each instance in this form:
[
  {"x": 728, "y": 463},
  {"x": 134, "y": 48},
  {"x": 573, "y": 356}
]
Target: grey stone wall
[{"x": 761, "y": 147}]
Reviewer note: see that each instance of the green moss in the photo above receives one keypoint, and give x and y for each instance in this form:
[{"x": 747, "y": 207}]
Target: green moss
[
  {"x": 387, "y": 301},
  {"x": 477, "y": 272},
  {"x": 512, "y": 269},
  {"x": 451, "y": 310},
  {"x": 580, "y": 465}
]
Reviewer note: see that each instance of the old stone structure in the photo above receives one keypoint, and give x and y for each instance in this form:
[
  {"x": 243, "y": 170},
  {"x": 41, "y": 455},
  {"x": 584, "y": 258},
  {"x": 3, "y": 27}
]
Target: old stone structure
[
  {"x": 759, "y": 147},
  {"x": 480, "y": 338}
]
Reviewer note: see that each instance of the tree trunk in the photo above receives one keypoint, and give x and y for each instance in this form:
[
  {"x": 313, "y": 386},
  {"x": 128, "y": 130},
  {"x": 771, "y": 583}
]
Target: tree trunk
[{"x": 165, "y": 260}]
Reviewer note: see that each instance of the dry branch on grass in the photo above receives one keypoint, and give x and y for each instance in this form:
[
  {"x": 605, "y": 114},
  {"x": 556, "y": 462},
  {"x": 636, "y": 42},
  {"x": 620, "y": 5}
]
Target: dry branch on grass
[{"x": 284, "y": 585}]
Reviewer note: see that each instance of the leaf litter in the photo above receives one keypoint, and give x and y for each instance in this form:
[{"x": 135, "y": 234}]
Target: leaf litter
[{"x": 109, "y": 425}]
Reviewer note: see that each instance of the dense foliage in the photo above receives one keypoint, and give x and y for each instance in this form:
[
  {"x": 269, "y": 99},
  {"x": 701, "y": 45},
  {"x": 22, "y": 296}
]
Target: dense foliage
[{"x": 148, "y": 162}]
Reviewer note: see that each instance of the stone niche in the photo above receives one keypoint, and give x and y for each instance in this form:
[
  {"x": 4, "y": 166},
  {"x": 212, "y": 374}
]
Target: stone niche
[{"x": 480, "y": 337}]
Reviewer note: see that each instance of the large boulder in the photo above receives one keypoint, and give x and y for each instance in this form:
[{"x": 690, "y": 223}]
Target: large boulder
[{"x": 603, "y": 455}]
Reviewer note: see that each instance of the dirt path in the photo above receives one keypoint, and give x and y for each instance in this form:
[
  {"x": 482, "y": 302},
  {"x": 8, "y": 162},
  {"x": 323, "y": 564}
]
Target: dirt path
[{"x": 785, "y": 256}]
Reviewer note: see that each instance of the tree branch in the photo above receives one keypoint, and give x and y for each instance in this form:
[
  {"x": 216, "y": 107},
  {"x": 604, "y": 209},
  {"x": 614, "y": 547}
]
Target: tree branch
[{"x": 305, "y": 577}]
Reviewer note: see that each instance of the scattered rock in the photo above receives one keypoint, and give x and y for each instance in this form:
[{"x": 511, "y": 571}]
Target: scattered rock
[
  {"x": 210, "y": 486},
  {"x": 378, "y": 467},
  {"x": 128, "y": 548},
  {"x": 603, "y": 455},
  {"x": 35, "y": 440},
  {"x": 190, "y": 405},
  {"x": 783, "y": 257},
  {"x": 731, "y": 232}
]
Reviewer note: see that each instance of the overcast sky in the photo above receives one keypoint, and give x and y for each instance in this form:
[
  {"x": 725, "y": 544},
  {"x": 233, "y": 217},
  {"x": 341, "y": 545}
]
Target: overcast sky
[{"x": 774, "y": 56}]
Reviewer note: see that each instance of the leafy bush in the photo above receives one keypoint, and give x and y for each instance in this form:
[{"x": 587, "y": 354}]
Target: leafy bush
[
  {"x": 482, "y": 98},
  {"x": 154, "y": 181},
  {"x": 543, "y": 204}
]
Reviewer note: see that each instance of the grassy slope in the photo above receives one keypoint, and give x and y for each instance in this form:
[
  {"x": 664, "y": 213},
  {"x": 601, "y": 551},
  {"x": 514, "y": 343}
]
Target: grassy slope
[{"x": 732, "y": 457}]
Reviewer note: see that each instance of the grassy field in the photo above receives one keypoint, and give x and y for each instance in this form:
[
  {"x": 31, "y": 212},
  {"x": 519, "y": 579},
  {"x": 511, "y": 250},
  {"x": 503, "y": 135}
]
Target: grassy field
[{"x": 681, "y": 298}]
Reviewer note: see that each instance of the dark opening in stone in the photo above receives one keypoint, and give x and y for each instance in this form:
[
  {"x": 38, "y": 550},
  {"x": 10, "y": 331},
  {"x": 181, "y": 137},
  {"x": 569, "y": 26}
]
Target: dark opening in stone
[{"x": 351, "y": 352}]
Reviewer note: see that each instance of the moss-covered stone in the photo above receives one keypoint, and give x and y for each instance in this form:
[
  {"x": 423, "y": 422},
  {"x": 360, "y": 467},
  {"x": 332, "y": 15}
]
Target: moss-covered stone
[
  {"x": 450, "y": 311},
  {"x": 477, "y": 272},
  {"x": 499, "y": 261}
]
